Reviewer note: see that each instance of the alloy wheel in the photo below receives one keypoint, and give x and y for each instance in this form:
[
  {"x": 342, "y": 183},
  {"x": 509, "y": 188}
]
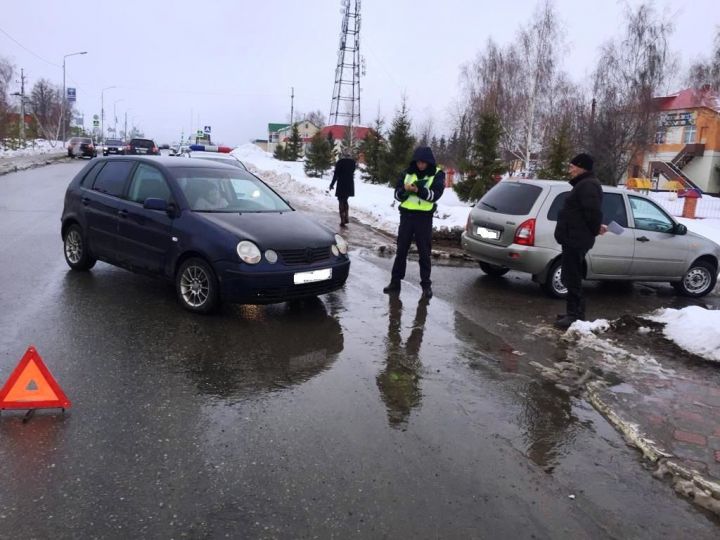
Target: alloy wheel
[
  {"x": 195, "y": 286},
  {"x": 73, "y": 247}
]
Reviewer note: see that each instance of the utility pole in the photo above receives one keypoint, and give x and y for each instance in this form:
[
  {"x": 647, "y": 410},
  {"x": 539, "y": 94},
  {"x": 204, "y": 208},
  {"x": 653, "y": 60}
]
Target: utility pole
[
  {"x": 292, "y": 103},
  {"x": 22, "y": 104},
  {"x": 125, "y": 130}
]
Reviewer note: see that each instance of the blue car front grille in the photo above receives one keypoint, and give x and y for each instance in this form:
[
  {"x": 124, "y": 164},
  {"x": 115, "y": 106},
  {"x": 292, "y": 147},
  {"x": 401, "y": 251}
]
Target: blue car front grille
[{"x": 304, "y": 256}]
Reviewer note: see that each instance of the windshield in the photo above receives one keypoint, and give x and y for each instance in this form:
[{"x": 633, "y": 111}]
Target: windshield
[
  {"x": 219, "y": 190},
  {"x": 113, "y": 142}
]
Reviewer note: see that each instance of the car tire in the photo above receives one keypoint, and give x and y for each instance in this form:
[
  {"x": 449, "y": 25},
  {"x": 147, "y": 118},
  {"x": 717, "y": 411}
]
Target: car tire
[
  {"x": 493, "y": 270},
  {"x": 553, "y": 285},
  {"x": 699, "y": 280},
  {"x": 197, "y": 286},
  {"x": 75, "y": 248}
]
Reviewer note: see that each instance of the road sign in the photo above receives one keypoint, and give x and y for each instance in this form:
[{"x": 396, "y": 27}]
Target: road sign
[
  {"x": 32, "y": 386},
  {"x": 71, "y": 94},
  {"x": 96, "y": 123},
  {"x": 207, "y": 129}
]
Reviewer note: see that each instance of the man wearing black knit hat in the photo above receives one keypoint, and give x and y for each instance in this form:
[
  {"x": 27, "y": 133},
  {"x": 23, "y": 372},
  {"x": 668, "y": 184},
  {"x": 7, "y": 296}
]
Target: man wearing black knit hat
[{"x": 579, "y": 222}]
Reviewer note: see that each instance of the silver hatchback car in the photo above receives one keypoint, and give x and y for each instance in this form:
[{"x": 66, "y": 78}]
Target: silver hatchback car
[{"x": 512, "y": 228}]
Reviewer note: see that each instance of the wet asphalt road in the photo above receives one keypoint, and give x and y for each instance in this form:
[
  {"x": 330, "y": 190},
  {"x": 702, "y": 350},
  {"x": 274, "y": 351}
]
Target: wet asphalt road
[{"x": 351, "y": 416}]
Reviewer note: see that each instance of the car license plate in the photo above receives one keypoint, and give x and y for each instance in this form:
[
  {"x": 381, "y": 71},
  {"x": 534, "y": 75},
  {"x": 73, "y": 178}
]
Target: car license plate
[
  {"x": 311, "y": 277},
  {"x": 488, "y": 234},
  {"x": 141, "y": 150}
]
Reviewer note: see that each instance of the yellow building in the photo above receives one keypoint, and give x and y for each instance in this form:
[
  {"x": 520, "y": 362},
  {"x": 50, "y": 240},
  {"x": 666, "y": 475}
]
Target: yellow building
[{"x": 687, "y": 142}]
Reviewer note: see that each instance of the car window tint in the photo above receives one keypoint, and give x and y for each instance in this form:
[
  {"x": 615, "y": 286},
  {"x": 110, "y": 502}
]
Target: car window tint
[
  {"x": 613, "y": 209},
  {"x": 511, "y": 198},
  {"x": 89, "y": 178},
  {"x": 649, "y": 217},
  {"x": 148, "y": 182},
  {"x": 556, "y": 205},
  {"x": 112, "y": 178}
]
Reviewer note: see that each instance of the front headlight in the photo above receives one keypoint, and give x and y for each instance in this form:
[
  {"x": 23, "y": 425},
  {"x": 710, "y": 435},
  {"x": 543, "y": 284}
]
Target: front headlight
[
  {"x": 248, "y": 252},
  {"x": 341, "y": 244}
]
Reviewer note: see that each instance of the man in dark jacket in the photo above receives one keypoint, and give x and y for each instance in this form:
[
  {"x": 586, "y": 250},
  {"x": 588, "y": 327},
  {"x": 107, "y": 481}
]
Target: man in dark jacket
[
  {"x": 344, "y": 175},
  {"x": 417, "y": 190},
  {"x": 579, "y": 222}
]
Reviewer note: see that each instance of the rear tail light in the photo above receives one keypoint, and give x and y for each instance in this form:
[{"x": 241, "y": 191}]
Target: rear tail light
[
  {"x": 155, "y": 148},
  {"x": 525, "y": 233}
]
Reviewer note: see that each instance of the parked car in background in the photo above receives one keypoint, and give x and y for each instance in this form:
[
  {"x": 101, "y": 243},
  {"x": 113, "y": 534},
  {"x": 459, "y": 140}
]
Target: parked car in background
[
  {"x": 143, "y": 147},
  {"x": 219, "y": 232},
  {"x": 512, "y": 228},
  {"x": 81, "y": 147},
  {"x": 113, "y": 146}
]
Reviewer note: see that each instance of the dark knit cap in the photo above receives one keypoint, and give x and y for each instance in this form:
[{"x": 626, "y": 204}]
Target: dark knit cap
[{"x": 584, "y": 161}]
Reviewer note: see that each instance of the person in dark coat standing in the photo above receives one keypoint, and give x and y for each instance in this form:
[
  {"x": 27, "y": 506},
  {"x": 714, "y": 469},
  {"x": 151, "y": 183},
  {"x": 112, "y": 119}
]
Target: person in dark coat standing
[
  {"x": 418, "y": 189},
  {"x": 579, "y": 222},
  {"x": 344, "y": 175}
]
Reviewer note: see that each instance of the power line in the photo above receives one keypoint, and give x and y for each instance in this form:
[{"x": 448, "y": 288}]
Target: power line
[{"x": 28, "y": 50}]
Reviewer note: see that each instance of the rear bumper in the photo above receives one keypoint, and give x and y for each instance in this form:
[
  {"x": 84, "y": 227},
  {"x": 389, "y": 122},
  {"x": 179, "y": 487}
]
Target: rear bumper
[
  {"x": 530, "y": 259},
  {"x": 240, "y": 286}
]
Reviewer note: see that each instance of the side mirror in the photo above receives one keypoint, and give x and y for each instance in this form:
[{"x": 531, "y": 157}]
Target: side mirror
[
  {"x": 155, "y": 204},
  {"x": 680, "y": 229}
]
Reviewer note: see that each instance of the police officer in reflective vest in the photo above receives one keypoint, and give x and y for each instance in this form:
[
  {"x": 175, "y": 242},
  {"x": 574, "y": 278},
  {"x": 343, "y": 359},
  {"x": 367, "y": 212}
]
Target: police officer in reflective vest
[{"x": 417, "y": 190}]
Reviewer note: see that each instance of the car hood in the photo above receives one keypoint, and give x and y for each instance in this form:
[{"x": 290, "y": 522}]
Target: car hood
[{"x": 273, "y": 230}]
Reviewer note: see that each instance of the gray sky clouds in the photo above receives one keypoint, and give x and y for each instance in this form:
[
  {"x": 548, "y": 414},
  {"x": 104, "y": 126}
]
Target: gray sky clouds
[{"x": 230, "y": 64}]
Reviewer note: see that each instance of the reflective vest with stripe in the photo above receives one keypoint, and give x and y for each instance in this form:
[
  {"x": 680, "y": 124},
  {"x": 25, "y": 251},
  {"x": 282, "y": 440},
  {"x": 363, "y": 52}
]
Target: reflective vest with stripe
[{"x": 413, "y": 202}]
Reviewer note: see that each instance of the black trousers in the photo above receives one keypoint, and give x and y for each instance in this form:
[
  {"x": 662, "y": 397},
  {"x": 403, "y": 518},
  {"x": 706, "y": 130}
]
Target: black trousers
[
  {"x": 414, "y": 226},
  {"x": 344, "y": 209},
  {"x": 572, "y": 275}
]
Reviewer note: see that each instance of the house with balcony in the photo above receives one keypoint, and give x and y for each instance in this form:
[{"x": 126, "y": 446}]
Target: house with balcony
[{"x": 686, "y": 153}]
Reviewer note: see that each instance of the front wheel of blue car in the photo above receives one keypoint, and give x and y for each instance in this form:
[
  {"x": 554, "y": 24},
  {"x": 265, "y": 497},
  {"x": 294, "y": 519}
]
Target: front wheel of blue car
[{"x": 197, "y": 286}]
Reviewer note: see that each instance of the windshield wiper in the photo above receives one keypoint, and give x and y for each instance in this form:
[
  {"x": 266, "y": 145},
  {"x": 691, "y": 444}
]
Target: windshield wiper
[{"x": 490, "y": 206}]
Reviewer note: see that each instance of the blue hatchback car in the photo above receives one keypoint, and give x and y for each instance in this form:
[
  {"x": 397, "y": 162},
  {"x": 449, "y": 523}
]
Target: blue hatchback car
[{"x": 218, "y": 231}]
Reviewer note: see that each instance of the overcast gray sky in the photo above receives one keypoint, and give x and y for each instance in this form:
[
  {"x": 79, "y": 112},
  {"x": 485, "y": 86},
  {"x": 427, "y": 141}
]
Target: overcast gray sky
[{"x": 230, "y": 64}]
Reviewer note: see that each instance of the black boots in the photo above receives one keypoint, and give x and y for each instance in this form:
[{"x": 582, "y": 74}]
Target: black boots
[
  {"x": 565, "y": 322},
  {"x": 393, "y": 286}
]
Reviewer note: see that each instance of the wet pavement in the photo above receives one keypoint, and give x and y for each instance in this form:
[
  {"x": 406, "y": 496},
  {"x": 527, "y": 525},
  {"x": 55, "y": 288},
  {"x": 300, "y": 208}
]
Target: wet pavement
[{"x": 354, "y": 415}]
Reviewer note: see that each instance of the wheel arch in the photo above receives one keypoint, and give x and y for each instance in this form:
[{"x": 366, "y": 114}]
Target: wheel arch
[{"x": 542, "y": 277}]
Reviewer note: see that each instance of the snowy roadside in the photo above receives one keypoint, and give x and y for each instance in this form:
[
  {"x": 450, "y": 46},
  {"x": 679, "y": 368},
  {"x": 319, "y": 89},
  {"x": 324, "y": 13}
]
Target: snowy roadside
[
  {"x": 372, "y": 205},
  {"x": 35, "y": 147}
]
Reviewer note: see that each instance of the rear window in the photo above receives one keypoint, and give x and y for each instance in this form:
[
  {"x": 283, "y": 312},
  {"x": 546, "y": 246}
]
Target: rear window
[
  {"x": 142, "y": 143},
  {"x": 510, "y": 198}
]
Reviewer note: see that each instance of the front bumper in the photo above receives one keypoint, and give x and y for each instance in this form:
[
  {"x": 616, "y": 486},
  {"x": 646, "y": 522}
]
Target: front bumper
[
  {"x": 530, "y": 259},
  {"x": 240, "y": 285}
]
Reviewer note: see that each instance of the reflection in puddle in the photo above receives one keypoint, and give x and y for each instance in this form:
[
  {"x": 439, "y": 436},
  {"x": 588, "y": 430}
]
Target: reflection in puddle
[{"x": 399, "y": 383}]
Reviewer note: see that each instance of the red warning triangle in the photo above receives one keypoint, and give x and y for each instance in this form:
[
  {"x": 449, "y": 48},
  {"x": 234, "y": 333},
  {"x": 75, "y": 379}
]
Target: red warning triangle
[{"x": 31, "y": 386}]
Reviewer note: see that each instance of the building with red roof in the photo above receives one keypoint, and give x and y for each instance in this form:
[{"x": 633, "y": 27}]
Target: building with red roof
[{"x": 686, "y": 152}]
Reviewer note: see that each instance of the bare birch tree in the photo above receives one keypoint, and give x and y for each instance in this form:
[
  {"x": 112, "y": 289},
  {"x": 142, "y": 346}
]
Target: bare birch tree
[
  {"x": 630, "y": 72},
  {"x": 706, "y": 72}
]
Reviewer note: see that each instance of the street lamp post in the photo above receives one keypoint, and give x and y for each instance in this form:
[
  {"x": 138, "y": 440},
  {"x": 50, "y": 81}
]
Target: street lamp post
[
  {"x": 64, "y": 97},
  {"x": 115, "y": 116},
  {"x": 102, "y": 113}
]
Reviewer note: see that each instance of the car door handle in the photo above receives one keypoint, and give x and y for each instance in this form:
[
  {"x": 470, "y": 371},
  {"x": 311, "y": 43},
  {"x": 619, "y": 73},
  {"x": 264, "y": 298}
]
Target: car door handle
[
  {"x": 123, "y": 213},
  {"x": 643, "y": 239},
  {"x": 85, "y": 201}
]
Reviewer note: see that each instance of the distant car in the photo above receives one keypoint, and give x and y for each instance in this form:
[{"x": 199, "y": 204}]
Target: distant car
[
  {"x": 81, "y": 147},
  {"x": 220, "y": 233},
  {"x": 113, "y": 146},
  {"x": 165, "y": 146},
  {"x": 143, "y": 147},
  {"x": 228, "y": 159},
  {"x": 512, "y": 228}
]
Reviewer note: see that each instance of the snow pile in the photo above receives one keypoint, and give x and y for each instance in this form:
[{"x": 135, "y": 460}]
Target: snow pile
[
  {"x": 693, "y": 328},
  {"x": 586, "y": 328},
  {"x": 33, "y": 148},
  {"x": 373, "y": 204}
]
